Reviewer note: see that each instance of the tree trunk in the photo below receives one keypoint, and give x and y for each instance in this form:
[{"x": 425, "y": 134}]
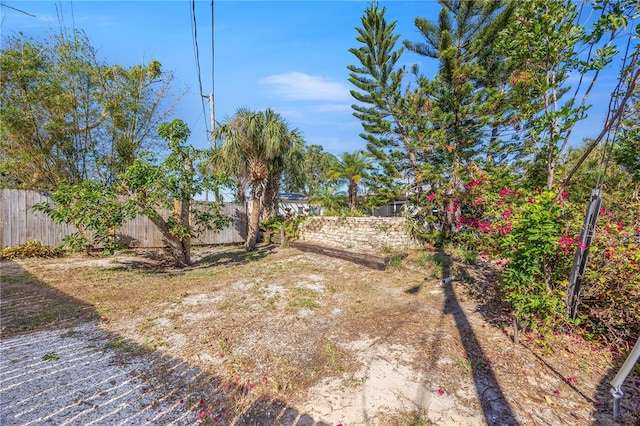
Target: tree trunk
[
  {"x": 270, "y": 199},
  {"x": 254, "y": 223},
  {"x": 353, "y": 195},
  {"x": 180, "y": 252},
  {"x": 185, "y": 207},
  {"x": 241, "y": 189},
  {"x": 185, "y": 242}
]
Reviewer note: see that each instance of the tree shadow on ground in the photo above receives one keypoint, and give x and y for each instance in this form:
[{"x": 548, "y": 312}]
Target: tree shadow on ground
[
  {"x": 495, "y": 407},
  {"x": 158, "y": 262},
  {"x": 480, "y": 283},
  {"x": 57, "y": 365},
  {"x": 235, "y": 256}
]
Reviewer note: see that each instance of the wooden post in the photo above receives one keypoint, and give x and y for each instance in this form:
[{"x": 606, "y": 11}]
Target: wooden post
[{"x": 282, "y": 236}]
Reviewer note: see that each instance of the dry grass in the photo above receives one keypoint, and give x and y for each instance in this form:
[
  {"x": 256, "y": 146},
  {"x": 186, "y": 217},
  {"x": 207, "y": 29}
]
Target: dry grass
[{"x": 274, "y": 324}]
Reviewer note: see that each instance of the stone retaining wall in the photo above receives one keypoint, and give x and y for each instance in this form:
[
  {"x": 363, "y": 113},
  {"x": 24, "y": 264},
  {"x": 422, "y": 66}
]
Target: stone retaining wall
[{"x": 367, "y": 234}]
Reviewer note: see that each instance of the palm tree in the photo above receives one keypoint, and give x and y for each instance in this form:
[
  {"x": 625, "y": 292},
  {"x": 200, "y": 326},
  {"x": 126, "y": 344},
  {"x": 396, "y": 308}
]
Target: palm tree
[
  {"x": 352, "y": 167},
  {"x": 329, "y": 197},
  {"x": 253, "y": 141},
  {"x": 290, "y": 164}
]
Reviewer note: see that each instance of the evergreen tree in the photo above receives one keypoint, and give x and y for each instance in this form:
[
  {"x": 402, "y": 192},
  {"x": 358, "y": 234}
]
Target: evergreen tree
[
  {"x": 461, "y": 41},
  {"x": 393, "y": 114}
]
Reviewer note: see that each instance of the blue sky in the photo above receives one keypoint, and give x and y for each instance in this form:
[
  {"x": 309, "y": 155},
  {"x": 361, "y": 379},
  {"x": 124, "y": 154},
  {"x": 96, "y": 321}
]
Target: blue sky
[{"x": 291, "y": 56}]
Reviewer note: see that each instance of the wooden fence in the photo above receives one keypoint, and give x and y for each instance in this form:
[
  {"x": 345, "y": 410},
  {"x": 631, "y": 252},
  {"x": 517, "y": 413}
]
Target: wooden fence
[{"x": 19, "y": 223}]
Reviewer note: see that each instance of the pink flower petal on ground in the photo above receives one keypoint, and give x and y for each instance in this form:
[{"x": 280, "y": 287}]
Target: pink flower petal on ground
[
  {"x": 556, "y": 392},
  {"x": 440, "y": 391}
]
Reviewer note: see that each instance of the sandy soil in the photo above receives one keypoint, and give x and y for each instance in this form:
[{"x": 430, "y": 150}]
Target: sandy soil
[{"x": 283, "y": 337}]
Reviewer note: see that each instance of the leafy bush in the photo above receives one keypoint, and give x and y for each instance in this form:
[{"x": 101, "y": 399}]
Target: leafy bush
[
  {"x": 532, "y": 238},
  {"x": 611, "y": 286},
  {"x": 94, "y": 209},
  {"x": 290, "y": 223},
  {"x": 31, "y": 248}
]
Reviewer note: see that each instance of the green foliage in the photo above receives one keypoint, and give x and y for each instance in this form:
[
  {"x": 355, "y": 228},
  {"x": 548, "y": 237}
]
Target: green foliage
[
  {"x": 94, "y": 209},
  {"x": 153, "y": 187},
  {"x": 351, "y": 167},
  {"x": 534, "y": 277},
  {"x": 290, "y": 223},
  {"x": 627, "y": 148},
  {"x": 50, "y": 356},
  {"x": 144, "y": 188},
  {"x": 532, "y": 238},
  {"x": 611, "y": 288},
  {"x": 328, "y": 197},
  {"x": 31, "y": 248},
  {"x": 316, "y": 169},
  {"x": 392, "y": 113},
  {"x": 256, "y": 147},
  {"x": 301, "y": 297},
  {"x": 66, "y": 117},
  {"x": 544, "y": 44}
]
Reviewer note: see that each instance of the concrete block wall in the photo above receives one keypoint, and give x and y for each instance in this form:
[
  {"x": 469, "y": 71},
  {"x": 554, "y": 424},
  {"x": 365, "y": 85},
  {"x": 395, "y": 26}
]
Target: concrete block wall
[{"x": 366, "y": 234}]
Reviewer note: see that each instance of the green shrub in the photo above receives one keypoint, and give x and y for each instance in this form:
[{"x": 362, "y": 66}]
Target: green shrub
[
  {"x": 31, "y": 248},
  {"x": 289, "y": 223}
]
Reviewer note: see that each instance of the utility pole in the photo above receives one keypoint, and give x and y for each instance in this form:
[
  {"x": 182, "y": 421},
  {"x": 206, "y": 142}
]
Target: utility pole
[{"x": 212, "y": 117}]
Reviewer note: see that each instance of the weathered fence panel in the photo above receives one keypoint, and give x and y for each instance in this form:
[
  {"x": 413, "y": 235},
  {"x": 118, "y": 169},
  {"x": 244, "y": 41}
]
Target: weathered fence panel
[{"x": 20, "y": 223}]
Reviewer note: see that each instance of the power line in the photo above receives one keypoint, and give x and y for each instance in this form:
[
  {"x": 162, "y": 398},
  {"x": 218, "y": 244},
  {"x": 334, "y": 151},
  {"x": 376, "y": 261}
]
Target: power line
[
  {"x": 194, "y": 31},
  {"x": 17, "y": 10},
  {"x": 213, "y": 66}
]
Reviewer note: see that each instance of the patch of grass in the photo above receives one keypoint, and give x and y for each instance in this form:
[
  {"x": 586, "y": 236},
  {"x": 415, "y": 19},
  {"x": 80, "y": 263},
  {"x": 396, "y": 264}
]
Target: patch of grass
[
  {"x": 395, "y": 261},
  {"x": 225, "y": 305},
  {"x": 470, "y": 364},
  {"x": 416, "y": 418},
  {"x": 301, "y": 297},
  {"x": 436, "y": 262},
  {"x": 424, "y": 259},
  {"x": 121, "y": 344},
  {"x": 50, "y": 356},
  {"x": 15, "y": 279},
  {"x": 331, "y": 352},
  {"x": 467, "y": 256},
  {"x": 282, "y": 381}
]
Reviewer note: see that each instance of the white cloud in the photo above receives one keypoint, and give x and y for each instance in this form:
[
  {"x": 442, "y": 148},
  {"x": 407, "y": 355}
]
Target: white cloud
[{"x": 304, "y": 87}]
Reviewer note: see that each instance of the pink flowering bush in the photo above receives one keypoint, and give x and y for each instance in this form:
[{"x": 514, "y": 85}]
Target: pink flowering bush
[
  {"x": 611, "y": 288},
  {"x": 538, "y": 250},
  {"x": 532, "y": 239}
]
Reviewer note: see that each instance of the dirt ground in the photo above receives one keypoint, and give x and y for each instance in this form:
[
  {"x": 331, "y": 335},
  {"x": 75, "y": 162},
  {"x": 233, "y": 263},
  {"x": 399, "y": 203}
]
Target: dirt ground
[{"x": 278, "y": 336}]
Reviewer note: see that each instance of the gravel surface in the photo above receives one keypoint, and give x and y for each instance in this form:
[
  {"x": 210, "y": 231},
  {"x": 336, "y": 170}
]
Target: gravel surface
[{"x": 76, "y": 377}]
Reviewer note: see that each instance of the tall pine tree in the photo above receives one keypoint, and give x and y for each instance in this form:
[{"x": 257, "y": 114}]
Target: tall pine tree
[
  {"x": 393, "y": 114},
  {"x": 461, "y": 41}
]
